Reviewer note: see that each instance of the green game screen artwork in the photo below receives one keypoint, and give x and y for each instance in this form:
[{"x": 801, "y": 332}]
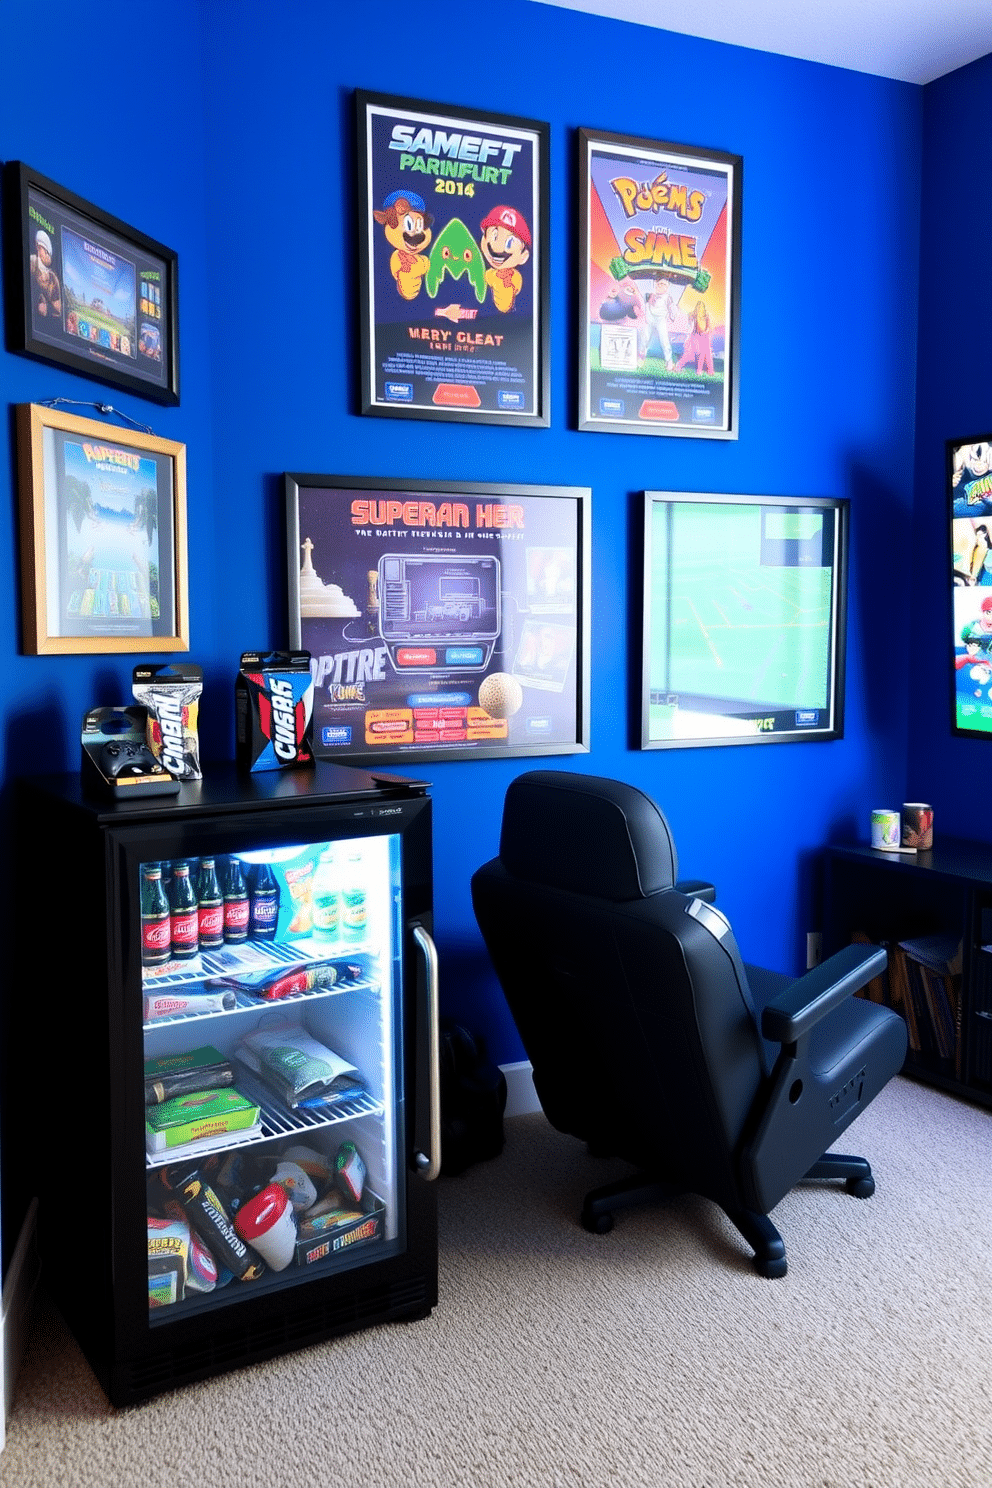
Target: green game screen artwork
[{"x": 741, "y": 621}]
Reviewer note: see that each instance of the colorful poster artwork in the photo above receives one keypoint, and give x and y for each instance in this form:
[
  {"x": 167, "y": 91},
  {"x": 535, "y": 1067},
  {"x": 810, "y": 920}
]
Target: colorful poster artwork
[
  {"x": 454, "y": 264},
  {"x": 108, "y": 501},
  {"x": 970, "y": 474},
  {"x": 442, "y": 622},
  {"x": 660, "y": 314}
]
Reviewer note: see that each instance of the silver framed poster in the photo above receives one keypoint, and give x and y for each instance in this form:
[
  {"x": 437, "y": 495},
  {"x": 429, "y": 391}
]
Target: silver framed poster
[{"x": 443, "y": 620}]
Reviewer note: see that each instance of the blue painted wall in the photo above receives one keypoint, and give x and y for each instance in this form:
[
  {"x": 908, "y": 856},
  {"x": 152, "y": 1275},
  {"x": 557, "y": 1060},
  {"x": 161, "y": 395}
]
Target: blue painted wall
[
  {"x": 233, "y": 145},
  {"x": 954, "y": 401}
]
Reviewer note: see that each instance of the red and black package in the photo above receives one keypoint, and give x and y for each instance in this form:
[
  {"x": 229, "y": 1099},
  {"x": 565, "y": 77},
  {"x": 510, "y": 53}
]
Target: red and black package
[{"x": 273, "y": 696}]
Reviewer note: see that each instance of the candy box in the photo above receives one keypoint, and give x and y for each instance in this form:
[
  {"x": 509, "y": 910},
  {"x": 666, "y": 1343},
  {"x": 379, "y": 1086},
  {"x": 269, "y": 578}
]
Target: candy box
[
  {"x": 273, "y": 695},
  {"x": 339, "y": 1228}
]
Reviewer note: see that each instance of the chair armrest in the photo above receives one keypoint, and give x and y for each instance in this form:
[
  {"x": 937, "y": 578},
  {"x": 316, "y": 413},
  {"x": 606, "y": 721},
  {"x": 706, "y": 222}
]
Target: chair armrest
[
  {"x": 696, "y": 888},
  {"x": 798, "y": 1009}
]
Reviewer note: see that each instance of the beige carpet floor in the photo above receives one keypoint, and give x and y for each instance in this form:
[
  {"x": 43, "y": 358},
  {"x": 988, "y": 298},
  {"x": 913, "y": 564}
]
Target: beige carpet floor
[{"x": 653, "y": 1357}]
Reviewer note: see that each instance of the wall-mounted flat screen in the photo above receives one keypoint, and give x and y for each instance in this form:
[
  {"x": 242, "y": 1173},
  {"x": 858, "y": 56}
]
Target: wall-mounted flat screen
[
  {"x": 744, "y": 611},
  {"x": 969, "y": 479}
]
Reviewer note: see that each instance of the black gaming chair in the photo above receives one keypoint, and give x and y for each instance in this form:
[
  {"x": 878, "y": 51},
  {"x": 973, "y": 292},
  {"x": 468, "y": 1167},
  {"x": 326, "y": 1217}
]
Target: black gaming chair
[{"x": 648, "y": 1037}]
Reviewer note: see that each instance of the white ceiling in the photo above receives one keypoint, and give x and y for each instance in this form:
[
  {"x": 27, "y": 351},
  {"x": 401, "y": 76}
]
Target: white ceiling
[{"x": 914, "y": 40}]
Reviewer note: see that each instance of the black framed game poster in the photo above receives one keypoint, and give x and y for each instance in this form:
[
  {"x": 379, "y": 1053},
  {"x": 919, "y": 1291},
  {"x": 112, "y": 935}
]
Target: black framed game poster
[
  {"x": 86, "y": 291},
  {"x": 659, "y": 277},
  {"x": 443, "y": 620},
  {"x": 453, "y": 263}
]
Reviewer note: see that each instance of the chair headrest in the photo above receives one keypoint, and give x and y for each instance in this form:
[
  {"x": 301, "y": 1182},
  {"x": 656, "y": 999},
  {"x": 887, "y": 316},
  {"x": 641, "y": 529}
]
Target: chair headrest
[{"x": 587, "y": 835}]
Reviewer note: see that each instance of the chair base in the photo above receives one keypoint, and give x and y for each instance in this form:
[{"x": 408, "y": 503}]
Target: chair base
[
  {"x": 599, "y": 1206},
  {"x": 770, "y": 1261}
]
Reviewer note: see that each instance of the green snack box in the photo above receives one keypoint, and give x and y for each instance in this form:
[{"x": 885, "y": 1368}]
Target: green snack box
[{"x": 191, "y": 1118}]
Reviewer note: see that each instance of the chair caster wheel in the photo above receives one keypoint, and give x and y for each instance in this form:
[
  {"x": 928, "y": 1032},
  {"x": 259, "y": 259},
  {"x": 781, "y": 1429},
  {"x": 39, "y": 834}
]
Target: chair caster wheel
[
  {"x": 861, "y": 1188},
  {"x": 771, "y": 1269},
  {"x": 597, "y": 1224}
]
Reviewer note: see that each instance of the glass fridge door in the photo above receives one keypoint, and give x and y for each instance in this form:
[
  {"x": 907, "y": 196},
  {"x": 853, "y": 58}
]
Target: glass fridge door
[{"x": 274, "y": 1102}]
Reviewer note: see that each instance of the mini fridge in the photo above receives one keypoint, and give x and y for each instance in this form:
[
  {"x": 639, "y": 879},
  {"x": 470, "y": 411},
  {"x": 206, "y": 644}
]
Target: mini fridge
[{"x": 245, "y": 1025}]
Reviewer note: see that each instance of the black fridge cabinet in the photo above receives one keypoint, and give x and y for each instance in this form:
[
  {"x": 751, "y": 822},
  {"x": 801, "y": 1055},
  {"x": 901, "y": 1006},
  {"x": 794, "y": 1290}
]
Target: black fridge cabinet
[{"x": 354, "y": 1137}]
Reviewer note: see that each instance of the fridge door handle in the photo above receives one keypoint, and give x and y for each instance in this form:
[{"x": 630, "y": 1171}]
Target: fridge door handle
[{"x": 429, "y": 1166}]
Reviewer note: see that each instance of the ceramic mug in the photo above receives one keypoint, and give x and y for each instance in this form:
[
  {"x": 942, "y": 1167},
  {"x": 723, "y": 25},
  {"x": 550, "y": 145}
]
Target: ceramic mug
[
  {"x": 884, "y": 828},
  {"x": 917, "y": 825}
]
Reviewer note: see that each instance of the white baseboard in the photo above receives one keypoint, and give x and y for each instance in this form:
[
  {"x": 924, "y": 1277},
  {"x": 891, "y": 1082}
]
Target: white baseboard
[
  {"x": 521, "y": 1097},
  {"x": 18, "y": 1291}
]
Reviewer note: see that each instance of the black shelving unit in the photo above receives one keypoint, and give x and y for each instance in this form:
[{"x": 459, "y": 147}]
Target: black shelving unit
[{"x": 939, "y": 900}]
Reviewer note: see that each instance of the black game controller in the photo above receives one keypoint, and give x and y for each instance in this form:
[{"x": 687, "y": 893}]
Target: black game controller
[{"x": 129, "y": 759}]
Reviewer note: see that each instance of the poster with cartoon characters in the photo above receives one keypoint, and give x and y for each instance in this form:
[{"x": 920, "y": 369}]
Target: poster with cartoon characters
[
  {"x": 452, "y": 263},
  {"x": 442, "y": 620},
  {"x": 660, "y": 274},
  {"x": 969, "y": 475}
]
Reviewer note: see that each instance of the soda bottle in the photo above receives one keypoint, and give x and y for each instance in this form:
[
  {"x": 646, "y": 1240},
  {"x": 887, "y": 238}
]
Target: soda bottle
[
  {"x": 236, "y": 906},
  {"x": 353, "y": 900},
  {"x": 185, "y": 915},
  {"x": 264, "y": 904},
  {"x": 326, "y": 900},
  {"x": 211, "y": 906},
  {"x": 156, "y": 917}
]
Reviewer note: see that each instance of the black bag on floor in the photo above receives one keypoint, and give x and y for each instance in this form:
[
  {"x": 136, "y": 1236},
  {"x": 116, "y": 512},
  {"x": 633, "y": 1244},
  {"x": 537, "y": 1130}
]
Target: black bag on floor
[{"x": 473, "y": 1099}]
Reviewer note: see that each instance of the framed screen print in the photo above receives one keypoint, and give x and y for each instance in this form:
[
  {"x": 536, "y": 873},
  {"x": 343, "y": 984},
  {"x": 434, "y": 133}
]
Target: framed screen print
[
  {"x": 744, "y": 619},
  {"x": 86, "y": 291},
  {"x": 453, "y": 263}
]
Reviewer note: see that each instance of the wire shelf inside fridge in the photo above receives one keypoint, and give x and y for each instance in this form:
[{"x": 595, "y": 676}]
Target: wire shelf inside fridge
[
  {"x": 276, "y": 1121},
  {"x": 245, "y": 1001},
  {"x": 250, "y": 955}
]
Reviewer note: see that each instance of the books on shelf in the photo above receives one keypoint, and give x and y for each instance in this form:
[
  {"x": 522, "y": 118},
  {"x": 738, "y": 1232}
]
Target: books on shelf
[{"x": 923, "y": 982}]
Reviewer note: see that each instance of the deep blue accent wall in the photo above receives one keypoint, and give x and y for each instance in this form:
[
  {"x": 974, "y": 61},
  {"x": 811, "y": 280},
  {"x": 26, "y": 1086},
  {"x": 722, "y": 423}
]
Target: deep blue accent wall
[
  {"x": 954, "y": 401},
  {"x": 235, "y": 148}
]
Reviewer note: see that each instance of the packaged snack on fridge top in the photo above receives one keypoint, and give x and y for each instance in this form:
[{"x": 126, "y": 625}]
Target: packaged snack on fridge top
[
  {"x": 273, "y": 695},
  {"x": 171, "y": 695}
]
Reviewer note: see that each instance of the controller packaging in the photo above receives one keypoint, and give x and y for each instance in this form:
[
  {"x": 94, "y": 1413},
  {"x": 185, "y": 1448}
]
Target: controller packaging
[
  {"x": 116, "y": 758},
  {"x": 273, "y": 696}
]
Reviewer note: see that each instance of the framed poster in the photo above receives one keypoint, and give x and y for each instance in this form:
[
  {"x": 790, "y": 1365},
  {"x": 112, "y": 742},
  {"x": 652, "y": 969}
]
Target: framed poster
[
  {"x": 659, "y": 314},
  {"x": 969, "y": 485},
  {"x": 103, "y": 537},
  {"x": 443, "y": 620},
  {"x": 744, "y": 633},
  {"x": 453, "y": 263},
  {"x": 86, "y": 291}
]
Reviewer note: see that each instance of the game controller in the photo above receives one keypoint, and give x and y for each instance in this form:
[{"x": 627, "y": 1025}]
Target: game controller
[{"x": 129, "y": 759}]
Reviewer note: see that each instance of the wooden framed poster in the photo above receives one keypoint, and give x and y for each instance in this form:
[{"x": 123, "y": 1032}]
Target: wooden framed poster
[{"x": 103, "y": 537}]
